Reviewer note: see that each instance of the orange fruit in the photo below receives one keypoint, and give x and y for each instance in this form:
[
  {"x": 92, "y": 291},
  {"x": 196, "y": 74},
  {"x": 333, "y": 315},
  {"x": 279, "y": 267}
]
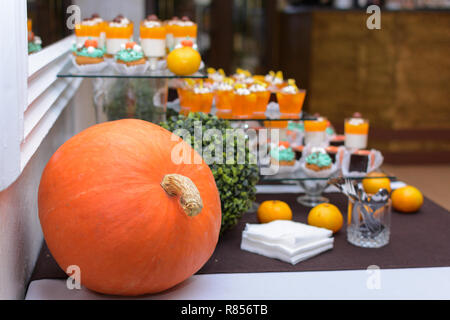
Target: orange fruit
[
  {"x": 326, "y": 215},
  {"x": 407, "y": 199},
  {"x": 184, "y": 61},
  {"x": 271, "y": 210},
  {"x": 371, "y": 186}
]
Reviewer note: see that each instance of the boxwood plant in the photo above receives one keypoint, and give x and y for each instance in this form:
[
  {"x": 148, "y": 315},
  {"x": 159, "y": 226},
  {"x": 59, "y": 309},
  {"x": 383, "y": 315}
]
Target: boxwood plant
[{"x": 235, "y": 180}]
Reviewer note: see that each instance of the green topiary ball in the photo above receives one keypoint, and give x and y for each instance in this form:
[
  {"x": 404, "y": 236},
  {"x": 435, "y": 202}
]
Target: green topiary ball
[{"x": 235, "y": 182}]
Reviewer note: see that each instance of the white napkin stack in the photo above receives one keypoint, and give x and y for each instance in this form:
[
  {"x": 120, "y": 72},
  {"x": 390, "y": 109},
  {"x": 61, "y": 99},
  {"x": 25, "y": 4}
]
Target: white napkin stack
[{"x": 286, "y": 240}]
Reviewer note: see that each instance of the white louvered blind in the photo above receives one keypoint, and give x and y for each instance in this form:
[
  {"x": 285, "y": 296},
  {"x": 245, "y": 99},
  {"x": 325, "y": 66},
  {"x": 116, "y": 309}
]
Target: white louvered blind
[{"x": 31, "y": 95}]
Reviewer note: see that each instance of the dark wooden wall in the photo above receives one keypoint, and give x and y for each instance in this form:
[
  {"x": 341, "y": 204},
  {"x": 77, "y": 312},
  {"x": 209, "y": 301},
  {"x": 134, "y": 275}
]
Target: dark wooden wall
[
  {"x": 398, "y": 76},
  {"x": 221, "y": 53}
]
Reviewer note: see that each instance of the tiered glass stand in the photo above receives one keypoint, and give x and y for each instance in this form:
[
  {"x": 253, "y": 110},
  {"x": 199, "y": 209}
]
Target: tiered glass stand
[
  {"x": 312, "y": 187},
  {"x": 145, "y": 96},
  {"x": 117, "y": 96}
]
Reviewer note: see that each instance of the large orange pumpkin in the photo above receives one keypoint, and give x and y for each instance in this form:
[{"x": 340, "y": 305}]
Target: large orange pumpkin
[{"x": 114, "y": 203}]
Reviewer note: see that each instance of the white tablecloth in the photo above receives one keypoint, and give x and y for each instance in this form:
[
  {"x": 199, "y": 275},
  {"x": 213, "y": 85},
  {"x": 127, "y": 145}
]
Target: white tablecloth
[{"x": 412, "y": 283}]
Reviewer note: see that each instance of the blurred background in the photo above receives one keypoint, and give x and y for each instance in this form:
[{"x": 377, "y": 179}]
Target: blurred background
[{"x": 398, "y": 77}]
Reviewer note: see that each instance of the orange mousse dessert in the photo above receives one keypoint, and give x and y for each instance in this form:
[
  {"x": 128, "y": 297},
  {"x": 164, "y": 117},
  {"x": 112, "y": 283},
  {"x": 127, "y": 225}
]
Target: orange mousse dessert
[
  {"x": 224, "y": 98},
  {"x": 88, "y": 29},
  {"x": 184, "y": 29},
  {"x": 356, "y": 132},
  {"x": 201, "y": 99},
  {"x": 185, "y": 92},
  {"x": 243, "y": 102},
  {"x": 118, "y": 33},
  {"x": 153, "y": 39},
  {"x": 315, "y": 131},
  {"x": 259, "y": 89},
  {"x": 290, "y": 100}
]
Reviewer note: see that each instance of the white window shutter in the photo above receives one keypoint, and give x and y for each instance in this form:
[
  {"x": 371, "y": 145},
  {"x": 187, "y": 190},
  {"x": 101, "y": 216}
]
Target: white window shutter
[{"x": 31, "y": 95}]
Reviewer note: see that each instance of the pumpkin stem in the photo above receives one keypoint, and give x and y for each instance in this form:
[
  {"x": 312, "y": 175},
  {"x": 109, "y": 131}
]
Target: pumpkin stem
[{"x": 178, "y": 185}]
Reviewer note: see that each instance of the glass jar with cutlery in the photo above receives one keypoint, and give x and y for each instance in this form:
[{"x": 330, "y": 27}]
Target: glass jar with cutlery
[{"x": 369, "y": 221}]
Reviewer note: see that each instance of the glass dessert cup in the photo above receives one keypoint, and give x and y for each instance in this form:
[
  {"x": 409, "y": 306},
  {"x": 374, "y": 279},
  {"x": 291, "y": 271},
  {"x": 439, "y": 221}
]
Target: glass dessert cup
[
  {"x": 243, "y": 105},
  {"x": 84, "y": 32},
  {"x": 315, "y": 132},
  {"x": 356, "y": 133},
  {"x": 368, "y": 224},
  {"x": 153, "y": 42},
  {"x": 184, "y": 97},
  {"x": 224, "y": 101},
  {"x": 262, "y": 100},
  {"x": 201, "y": 102},
  {"x": 181, "y": 32},
  {"x": 313, "y": 192},
  {"x": 291, "y": 104},
  {"x": 116, "y": 36}
]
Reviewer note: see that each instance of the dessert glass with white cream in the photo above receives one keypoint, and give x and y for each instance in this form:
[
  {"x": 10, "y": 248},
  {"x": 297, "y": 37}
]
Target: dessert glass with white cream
[
  {"x": 262, "y": 94},
  {"x": 224, "y": 98},
  {"x": 243, "y": 102},
  {"x": 185, "y": 92},
  {"x": 356, "y": 132},
  {"x": 153, "y": 39},
  {"x": 118, "y": 33},
  {"x": 315, "y": 132},
  {"x": 290, "y": 99},
  {"x": 88, "y": 29},
  {"x": 201, "y": 98},
  {"x": 184, "y": 29}
]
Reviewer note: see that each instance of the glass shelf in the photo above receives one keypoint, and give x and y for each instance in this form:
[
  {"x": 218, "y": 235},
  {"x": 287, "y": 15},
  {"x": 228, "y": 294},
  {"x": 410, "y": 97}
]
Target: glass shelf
[
  {"x": 70, "y": 71},
  {"x": 273, "y": 117},
  {"x": 298, "y": 175},
  {"x": 276, "y": 178},
  {"x": 311, "y": 188},
  {"x": 303, "y": 118}
]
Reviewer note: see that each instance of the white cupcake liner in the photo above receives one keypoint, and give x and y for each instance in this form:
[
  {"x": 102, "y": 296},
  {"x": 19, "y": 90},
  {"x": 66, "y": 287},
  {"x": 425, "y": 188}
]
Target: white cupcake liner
[
  {"x": 89, "y": 68},
  {"x": 280, "y": 171},
  {"x": 131, "y": 70},
  {"x": 326, "y": 173}
]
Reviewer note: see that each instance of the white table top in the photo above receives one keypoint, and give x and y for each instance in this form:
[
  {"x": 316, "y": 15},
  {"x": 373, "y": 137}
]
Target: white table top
[
  {"x": 411, "y": 284},
  {"x": 390, "y": 284}
]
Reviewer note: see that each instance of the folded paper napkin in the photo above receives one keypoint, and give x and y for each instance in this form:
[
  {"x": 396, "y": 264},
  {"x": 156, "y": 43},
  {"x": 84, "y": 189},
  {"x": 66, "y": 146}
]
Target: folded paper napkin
[{"x": 286, "y": 240}]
